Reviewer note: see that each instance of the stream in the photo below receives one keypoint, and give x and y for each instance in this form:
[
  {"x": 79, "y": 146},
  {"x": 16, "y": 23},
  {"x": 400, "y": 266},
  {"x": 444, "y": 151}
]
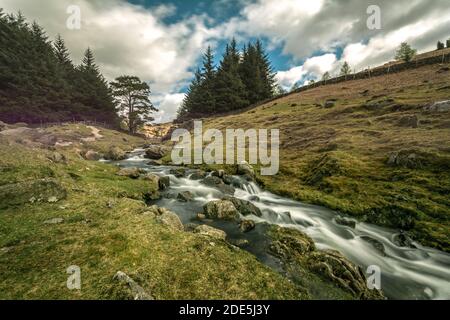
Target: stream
[{"x": 411, "y": 273}]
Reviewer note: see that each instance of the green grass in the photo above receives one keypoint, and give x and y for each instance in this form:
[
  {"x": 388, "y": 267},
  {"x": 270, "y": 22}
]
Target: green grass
[{"x": 104, "y": 232}]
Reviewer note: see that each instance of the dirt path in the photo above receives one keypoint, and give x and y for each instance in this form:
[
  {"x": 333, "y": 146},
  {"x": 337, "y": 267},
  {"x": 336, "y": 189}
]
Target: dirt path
[{"x": 96, "y": 135}]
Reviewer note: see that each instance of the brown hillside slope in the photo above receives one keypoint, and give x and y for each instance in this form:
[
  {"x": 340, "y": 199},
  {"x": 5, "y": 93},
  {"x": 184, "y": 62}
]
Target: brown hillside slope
[{"x": 375, "y": 153}]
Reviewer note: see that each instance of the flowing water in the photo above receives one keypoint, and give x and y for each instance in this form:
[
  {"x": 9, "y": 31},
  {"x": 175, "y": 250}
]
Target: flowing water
[{"x": 406, "y": 273}]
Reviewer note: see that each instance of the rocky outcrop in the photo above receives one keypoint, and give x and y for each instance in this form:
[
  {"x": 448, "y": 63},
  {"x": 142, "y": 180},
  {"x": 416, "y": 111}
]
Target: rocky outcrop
[
  {"x": 221, "y": 209},
  {"x": 210, "y": 232},
  {"x": 297, "y": 249},
  {"x": 32, "y": 191},
  {"x": 135, "y": 291},
  {"x": 441, "y": 106}
]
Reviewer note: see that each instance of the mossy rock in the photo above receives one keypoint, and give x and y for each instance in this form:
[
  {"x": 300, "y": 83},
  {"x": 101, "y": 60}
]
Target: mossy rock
[
  {"x": 324, "y": 167},
  {"x": 393, "y": 216},
  {"x": 327, "y": 270},
  {"x": 43, "y": 190}
]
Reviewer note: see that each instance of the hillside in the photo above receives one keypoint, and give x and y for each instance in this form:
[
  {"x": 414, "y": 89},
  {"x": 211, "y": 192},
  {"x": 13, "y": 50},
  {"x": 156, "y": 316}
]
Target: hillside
[
  {"x": 369, "y": 148},
  {"x": 58, "y": 209}
]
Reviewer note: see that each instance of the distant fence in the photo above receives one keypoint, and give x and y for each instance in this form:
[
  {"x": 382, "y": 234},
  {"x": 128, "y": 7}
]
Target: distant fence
[
  {"x": 86, "y": 123},
  {"x": 369, "y": 73}
]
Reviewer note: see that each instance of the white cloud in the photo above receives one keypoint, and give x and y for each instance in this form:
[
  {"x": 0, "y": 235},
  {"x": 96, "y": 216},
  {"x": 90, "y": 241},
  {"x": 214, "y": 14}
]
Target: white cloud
[
  {"x": 313, "y": 68},
  {"x": 168, "y": 105}
]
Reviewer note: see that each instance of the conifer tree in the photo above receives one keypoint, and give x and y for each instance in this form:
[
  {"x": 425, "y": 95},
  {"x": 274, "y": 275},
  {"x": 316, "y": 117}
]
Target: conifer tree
[
  {"x": 230, "y": 91},
  {"x": 61, "y": 52}
]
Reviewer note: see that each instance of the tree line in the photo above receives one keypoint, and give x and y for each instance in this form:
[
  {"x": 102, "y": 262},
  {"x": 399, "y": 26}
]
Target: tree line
[
  {"x": 241, "y": 79},
  {"x": 40, "y": 83}
]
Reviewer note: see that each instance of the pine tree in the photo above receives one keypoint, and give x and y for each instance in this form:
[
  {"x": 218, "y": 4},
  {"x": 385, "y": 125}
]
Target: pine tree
[
  {"x": 133, "y": 101},
  {"x": 230, "y": 91},
  {"x": 61, "y": 52},
  {"x": 205, "y": 99},
  {"x": 448, "y": 43},
  {"x": 266, "y": 72},
  {"x": 440, "y": 45}
]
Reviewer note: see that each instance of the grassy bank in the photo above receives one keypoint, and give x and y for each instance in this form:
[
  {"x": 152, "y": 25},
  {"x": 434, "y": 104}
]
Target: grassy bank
[
  {"x": 366, "y": 148},
  {"x": 103, "y": 231}
]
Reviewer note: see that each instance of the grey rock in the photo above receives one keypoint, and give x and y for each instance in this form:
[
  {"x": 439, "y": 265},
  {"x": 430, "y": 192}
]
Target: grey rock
[
  {"x": 244, "y": 207},
  {"x": 210, "y": 232},
  {"x": 185, "y": 196},
  {"x": 378, "y": 245},
  {"x": 115, "y": 154},
  {"x": 345, "y": 222},
  {"x": 136, "y": 291},
  {"x": 132, "y": 173},
  {"x": 441, "y": 106},
  {"x": 92, "y": 155},
  {"x": 164, "y": 183},
  {"x": 221, "y": 209}
]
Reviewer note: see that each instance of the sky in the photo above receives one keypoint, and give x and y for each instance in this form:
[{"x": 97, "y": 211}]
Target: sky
[{"x": 162, "y": 41}]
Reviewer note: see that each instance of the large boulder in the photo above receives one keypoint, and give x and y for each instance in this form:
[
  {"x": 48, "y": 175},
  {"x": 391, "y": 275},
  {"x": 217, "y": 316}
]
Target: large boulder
[
  {"x": 168, "y": 218},
  {"x": 153, "y": 178},
  {"x": 297, "y": 249},
  {"x": 210, "y": 232},
  {"x": 44, "y": 190},
  {"x": 336, "y": 268},
  {"x": 221, "y": 209},
  {"x": 92, "y": 155},
  {"x": 246, "y": 208},
  {"x": 156, "y": 152},
  {"x": 115, "y": 154}
]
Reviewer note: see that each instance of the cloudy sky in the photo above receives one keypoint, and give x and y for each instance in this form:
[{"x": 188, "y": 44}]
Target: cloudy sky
[{"x": 162, "y": 41}]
